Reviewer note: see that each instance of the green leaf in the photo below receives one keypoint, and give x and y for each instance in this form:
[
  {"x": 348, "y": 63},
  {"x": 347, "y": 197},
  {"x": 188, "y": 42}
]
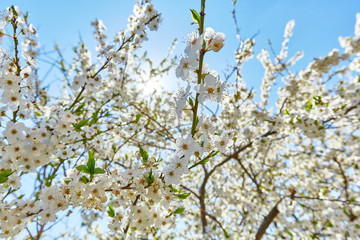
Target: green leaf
[
  {"x": 83, "y": 169},
  {"x": 191, "y": 102},
  {"x": 94, "y": 117},
  {"x": 84, "y": 179},
  {"x": 205, "y": 160},
  {"x": 138, "y": 116},
  {"x": 357, "y": 226},
  {"x": 81, "y": 124},
  {"x": 99, "y": 171},
  {"x": 111, "y": 211},
  {"x": 318, "y": 100},
  {"x": 183, "y": 195},
  {"x": 78, "y": 111},
  {"x": 150, "y": 178},
  {"x": 3, "y": 179},
  {"x": 48, "y": 180},
  {"x": 195, "y": 16},
  {"x": 172, "y": 189},
  {"x": 91, "y": 162},
  {"x": 226, "y": 234},
  {"x": 179, "y": 210},
  {"x": 215, "y": 153},
  {"x": 144, "y": 154},
  {"x": 352, "y": 199},
  {"x": 329, "y": 224},
  {"x": 286, "y": 112},
  {"x": 5, "y": 173},
  {"x": 309, "y": 105},
  {"x": 37, "y": 114}
]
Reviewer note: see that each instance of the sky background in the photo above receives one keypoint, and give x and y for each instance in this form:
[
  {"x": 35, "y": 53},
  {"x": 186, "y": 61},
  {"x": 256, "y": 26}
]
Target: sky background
[{"x": 317, "y": 27}]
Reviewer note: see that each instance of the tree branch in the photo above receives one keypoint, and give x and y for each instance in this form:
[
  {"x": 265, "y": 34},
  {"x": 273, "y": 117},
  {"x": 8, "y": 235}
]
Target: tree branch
[{"x": 267, "y": 221}]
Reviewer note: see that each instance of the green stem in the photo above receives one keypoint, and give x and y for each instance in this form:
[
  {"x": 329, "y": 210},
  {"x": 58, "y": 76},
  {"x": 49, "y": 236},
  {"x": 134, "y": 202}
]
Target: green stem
[
  {"x": 16, "y": 43},
  {"x": 201, "y": 60},
  {"x": 16, "y": 60}
]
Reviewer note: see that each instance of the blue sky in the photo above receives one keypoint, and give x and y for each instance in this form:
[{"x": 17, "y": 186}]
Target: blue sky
[{"x": 317, "y": 26}]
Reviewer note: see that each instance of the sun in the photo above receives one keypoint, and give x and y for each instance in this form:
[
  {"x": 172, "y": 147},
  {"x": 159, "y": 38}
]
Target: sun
[{"x": 151, "y": 85}]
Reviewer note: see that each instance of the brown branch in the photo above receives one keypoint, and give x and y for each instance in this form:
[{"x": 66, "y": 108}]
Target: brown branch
[
  {"x": 40, "y": 232},
  {"x": 217, "y": 221},
  {"x": 202, "y": 201},
  {"x": 346, "y": 182},
  {"x": 31, "y": 236},
  {"x": 107, "y": 61},
  {"x": 154, "y": 120},
  {"x": 31, "y": 214},
  {"x": 351, "y": 108},
  {"x": 327, "y": 199},
  {"x": 253, "y": 179},
  {"x": 267, "y": 221},
  {"x": 134, "y": 203},
  {"x": 208, "y": 174}
]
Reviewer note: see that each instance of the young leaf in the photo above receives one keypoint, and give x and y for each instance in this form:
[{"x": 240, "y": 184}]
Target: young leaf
[
  {"x": 205, "y": 160},
  {"x": 84, "y": 179},
  {"x": 80, "y": 124},
  {"x": 195, "y": 16},
  {"x": 150, "y": 178},
  {"x": 94, "y": 118},
  {"x": 309, "y": 105},
  {"x": 78, "y": 111},
  {"x": 329, "y": 224},
  {"x": 83, "y": 169},
  {"x": 5, "y": 173},
  {"x": 138, "y": 116},
  {"x": 91, "y": 162},
  {"x": 99, "y": 171},
  {"x": 172, "y": 189},
  {"x": 3, "y": 179},
  {"x": 215, "y": 153},
  {"x": 144, "y": 154},
  {"x": 183, "y": 195},
  {"x": 226, "y": 234},
  {"x": 191, "y": 102},
  {"x": 179, "y": 210},
  {"x": 111, "y": 211}
]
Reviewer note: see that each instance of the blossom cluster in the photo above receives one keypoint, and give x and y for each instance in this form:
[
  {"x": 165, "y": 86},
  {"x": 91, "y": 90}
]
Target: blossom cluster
[
  {"x": 65, "y": 130},
  {"x": 201, "y": 143}
]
